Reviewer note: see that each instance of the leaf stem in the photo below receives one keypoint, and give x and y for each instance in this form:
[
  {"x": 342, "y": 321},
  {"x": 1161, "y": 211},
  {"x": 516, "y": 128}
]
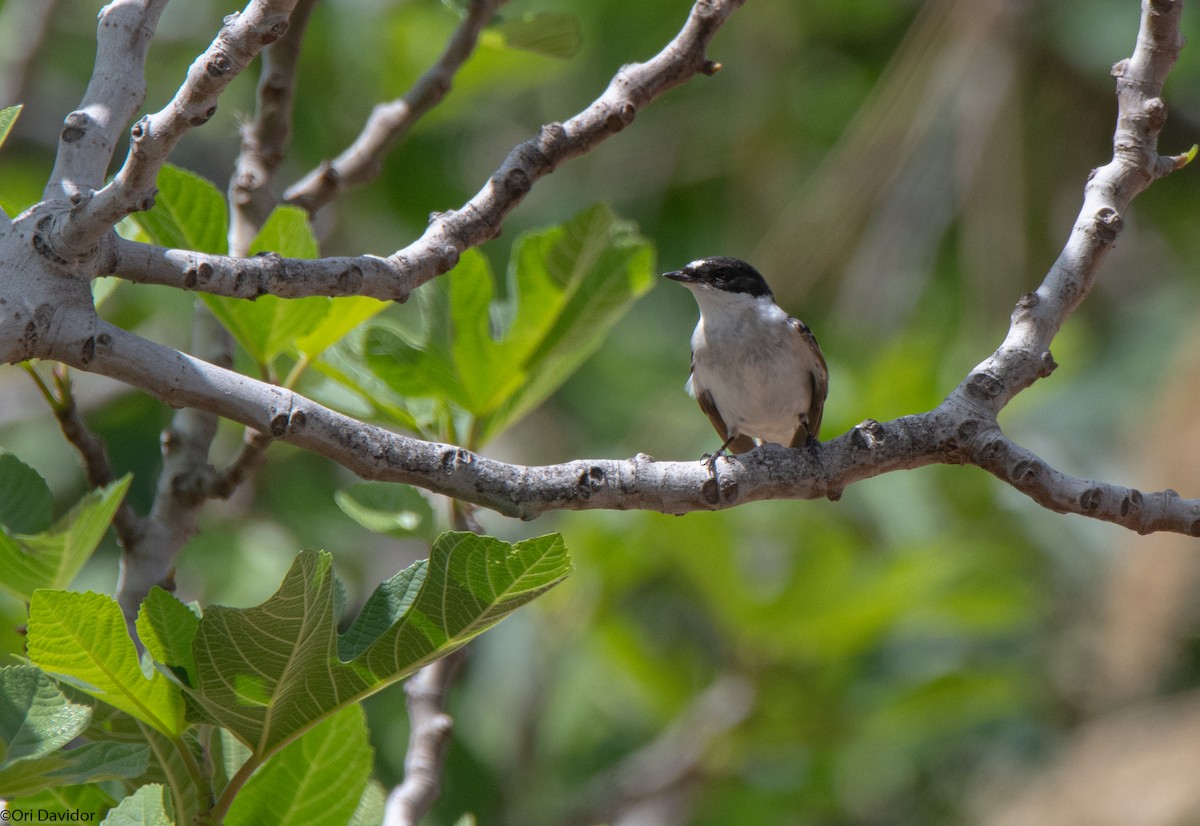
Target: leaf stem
[{"x": 219, "y": 809}]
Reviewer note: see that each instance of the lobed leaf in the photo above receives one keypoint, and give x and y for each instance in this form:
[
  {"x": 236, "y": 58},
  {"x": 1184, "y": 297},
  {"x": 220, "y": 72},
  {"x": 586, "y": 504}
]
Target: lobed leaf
[
  {"x": 271, "y": 672},
  {"x": 82, "y": 639}
]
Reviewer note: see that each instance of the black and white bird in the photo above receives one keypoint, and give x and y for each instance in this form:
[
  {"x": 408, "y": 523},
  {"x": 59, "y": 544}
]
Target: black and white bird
[{"x": 757, "y": 373}]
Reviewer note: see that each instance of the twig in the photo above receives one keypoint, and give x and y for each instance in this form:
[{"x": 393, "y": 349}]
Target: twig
[
  {"x": 266, "y": 136},
  {"x": 449, "y": 233},
  {"x": 91, "y": 448},
  {"x": 389, "y": 122},
  {"x": 430, "y": 728}
]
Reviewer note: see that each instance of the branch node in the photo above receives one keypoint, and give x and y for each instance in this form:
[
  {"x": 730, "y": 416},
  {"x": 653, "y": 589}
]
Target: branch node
[
  {"x": 867, "y": 434},
  {"x": 1156, "y": 113},
  {"x": 1131, "y": 503},
  {"x": 140, "y": 130},
  {"x": 278, "y": 29},
  {"x": 517, "y": 182},
  {"x": 203, "y": 117},
  {"x": 447, "y": 259},
  {"x": 1026, "y": 472},
  {"x": 278, "y": 425},
  {"x": 590, "y": 481},
  {"x": 453, "y": 458},
  {"x": 710, "y": 67},
  {"x": 1107, "y": 224},
  {"x": 1091, "y": 499},
  {"x": 984, "y": 386},
  {"x": 1047, "y": 365},
  {"x": 621, "y": 117},
  {"x": 1118, "y": 69},
  {"x": 350, "y": 280},
  {"x": 75, "y": 126},
  {"x": 710, "y": 491},
  {"x": 218, "y": 65}
]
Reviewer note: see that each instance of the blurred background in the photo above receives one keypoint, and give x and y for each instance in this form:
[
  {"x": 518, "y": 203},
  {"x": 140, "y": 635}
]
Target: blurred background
[{"x": 932, "y": 649}]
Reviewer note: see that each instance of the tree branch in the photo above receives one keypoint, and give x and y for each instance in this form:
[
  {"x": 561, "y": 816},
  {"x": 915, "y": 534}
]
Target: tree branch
[
  {"x": 1024, "y": 356},
  {"x": 961, "y": 430},
  {"x": 449, "y": 233},
  {"x": 430, "y": 729},
  {"x": 114, "y": 93},
  {"x": 265, "y": 138},
  {"x": 154, "y": 136},
  {"x": 950, "y": 434},
  {"x": 389, "y": 122}
]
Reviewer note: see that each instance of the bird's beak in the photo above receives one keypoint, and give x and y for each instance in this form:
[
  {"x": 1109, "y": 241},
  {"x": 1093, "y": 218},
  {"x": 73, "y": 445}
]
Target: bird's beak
[{"x": 679, "y": 275}]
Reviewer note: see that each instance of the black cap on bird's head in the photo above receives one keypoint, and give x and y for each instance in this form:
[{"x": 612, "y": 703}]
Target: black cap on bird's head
[{"x": 721, "y": 273}]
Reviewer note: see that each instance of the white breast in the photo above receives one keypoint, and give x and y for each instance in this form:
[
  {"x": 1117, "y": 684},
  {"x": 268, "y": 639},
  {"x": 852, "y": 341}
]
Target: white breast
[{"x": 753, "y": 363}]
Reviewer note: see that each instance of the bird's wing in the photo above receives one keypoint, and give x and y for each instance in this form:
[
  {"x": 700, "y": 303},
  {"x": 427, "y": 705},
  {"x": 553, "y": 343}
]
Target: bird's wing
[
  {"x": 819, "y": 378},
  {"x": 742, "y": 443}
]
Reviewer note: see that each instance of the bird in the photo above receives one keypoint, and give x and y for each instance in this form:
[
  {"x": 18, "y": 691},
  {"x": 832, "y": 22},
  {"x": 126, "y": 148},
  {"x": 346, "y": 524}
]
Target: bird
[{"x": 757, "y": 372}]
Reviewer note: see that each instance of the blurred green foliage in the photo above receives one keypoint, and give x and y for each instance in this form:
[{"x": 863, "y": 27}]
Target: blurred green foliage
[{"x": 901, "y": 643}]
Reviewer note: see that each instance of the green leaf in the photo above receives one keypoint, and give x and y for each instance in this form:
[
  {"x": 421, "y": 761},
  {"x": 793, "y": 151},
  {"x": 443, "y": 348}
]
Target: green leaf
[
  {"x": 286, "y": 232},
  {"x": 546, "y": 33},
  {"x": 343, "y": 316},
  {"x": 269, "y": 673},
  {"x": 396, "y": 510},
  {"x": 89, "y": 763},
  {"x": 8, "y": 116},
  {"x": 142, "y": 808},
  {"x": 572, "y": 283},
  {"x": 25, "y": 500},
  {"x": 390, "y": 600},
  {"x": 168, "y": 628},
  {"x": 269, "y": 326},
  {"x": 569, "y": 286},
  {"x": 88, "y": 800},
  {"x": 82, "y": 638},
  {"x": 188, "y": 213},
  {"x": 35, "y": 717},
  {"x": 371, "y": 806},
  {"x": 51, "y": 559},
  {"x": 317, "y": 779}
]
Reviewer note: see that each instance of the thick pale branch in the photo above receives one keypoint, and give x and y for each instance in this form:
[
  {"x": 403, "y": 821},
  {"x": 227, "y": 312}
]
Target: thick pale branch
[
  {"x": 114, "y": 93},
  {"x": 950, "y": 434},
  {"x": 154, "y": 136},
  {"x": 389, "y": 122}
]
